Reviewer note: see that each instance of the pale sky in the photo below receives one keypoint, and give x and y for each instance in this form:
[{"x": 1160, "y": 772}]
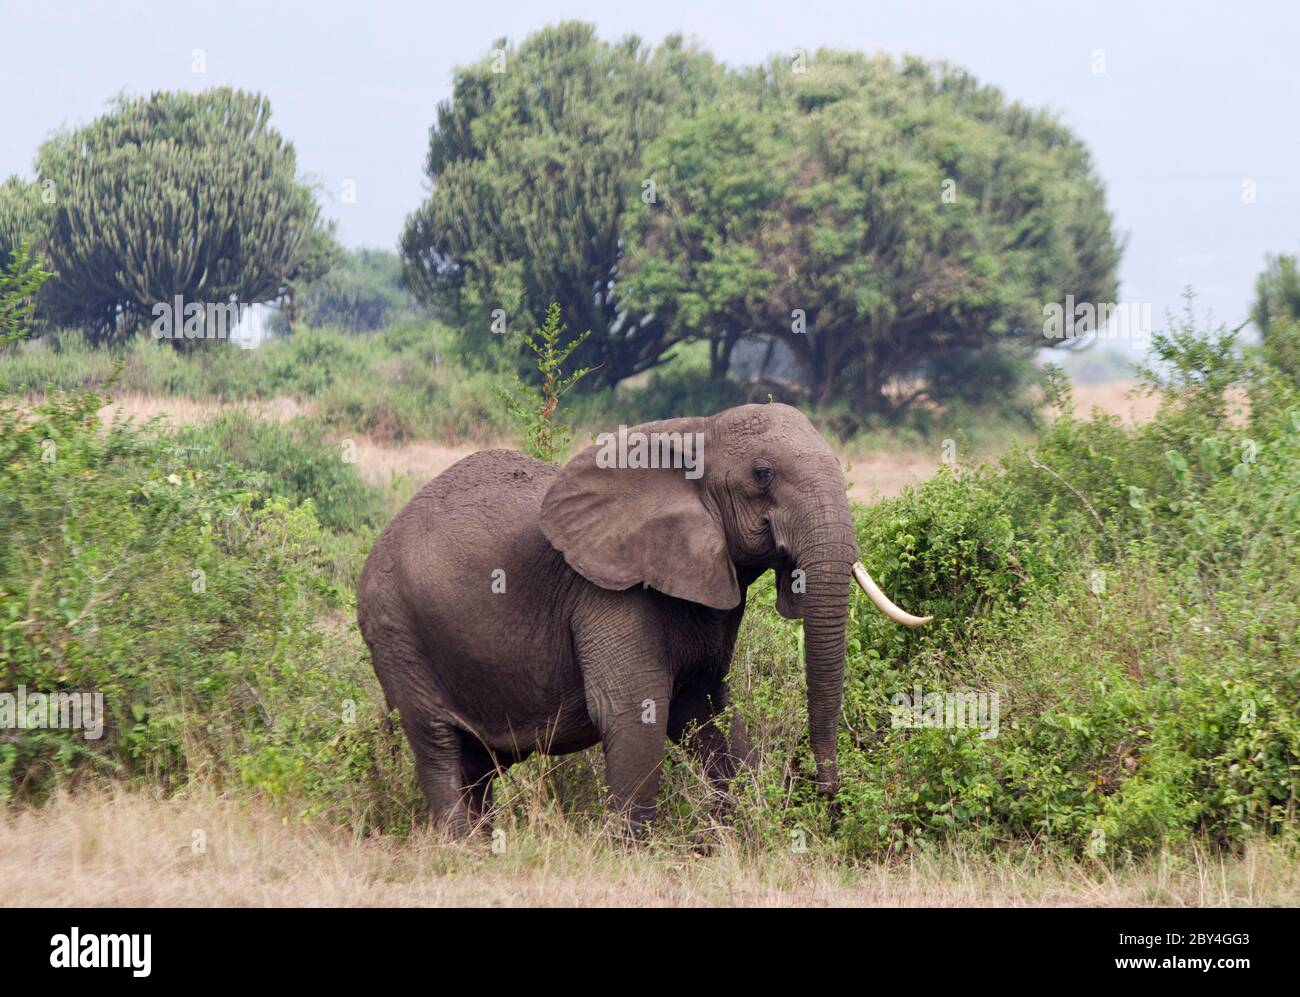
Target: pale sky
[{"x": 1196, "y": 98}]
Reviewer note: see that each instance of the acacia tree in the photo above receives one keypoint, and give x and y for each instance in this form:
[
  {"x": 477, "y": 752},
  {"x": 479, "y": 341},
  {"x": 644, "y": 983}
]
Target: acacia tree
[
  {"x": 174, "y": 194},
  {"x": 878, "y": 218},
  {"x": 533, "y": 162}
]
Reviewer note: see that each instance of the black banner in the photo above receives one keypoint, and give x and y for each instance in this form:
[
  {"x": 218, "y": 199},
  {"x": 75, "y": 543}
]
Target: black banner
[{"x": 142, "y": 947}]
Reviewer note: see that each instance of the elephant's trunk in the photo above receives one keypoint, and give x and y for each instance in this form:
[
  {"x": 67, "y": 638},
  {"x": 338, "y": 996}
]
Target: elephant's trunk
[{"x": 828, "y": 551}]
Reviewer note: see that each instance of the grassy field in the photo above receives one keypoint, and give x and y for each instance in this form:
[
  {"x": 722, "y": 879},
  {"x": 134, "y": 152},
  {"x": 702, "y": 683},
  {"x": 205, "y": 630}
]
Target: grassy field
[
  {"x": 871, "y": 474},
  {"x": 133, "y": 849}
]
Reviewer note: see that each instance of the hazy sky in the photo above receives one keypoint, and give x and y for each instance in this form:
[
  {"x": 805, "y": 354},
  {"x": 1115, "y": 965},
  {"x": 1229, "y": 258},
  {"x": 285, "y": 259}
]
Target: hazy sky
[{"x": 1195, "y": 100}]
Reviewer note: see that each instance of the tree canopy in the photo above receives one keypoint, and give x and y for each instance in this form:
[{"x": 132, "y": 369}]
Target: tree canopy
[
  {"x": 533, "y": 163},
  {"x": 175, "y": 194},
  {"x": 876, "y": 217}
]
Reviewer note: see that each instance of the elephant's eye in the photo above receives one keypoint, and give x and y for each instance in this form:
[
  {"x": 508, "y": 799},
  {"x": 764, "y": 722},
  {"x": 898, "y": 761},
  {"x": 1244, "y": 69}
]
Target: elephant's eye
[{"x": 763, "y": 473}]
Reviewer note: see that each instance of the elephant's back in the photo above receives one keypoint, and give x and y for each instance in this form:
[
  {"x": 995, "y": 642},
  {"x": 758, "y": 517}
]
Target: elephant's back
[
  {"x": 476, "y": 524},
  {"x": 489, "y": 484},
  {"x": 486, "y": 502}
]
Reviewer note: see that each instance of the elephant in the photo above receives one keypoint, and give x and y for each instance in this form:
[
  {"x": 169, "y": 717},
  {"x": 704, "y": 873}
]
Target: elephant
[{"x": 514, "y": 606}]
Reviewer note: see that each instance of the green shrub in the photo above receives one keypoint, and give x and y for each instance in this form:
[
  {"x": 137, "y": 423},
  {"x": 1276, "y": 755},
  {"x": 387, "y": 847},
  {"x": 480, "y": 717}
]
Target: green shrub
[
  {"x": 295, "y": 461},
  {"x": 200, "y": 607},
  {"x": 22, "y": 275}
]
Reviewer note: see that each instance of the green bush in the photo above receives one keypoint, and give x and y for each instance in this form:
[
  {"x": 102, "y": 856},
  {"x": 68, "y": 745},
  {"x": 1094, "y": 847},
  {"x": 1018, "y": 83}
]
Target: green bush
[
  {"x": 1130, "y": 595},
  {"x": 204, "y": 610},
  {"x": 296, "y": 461},
  {"x": 308, "y": 362}
]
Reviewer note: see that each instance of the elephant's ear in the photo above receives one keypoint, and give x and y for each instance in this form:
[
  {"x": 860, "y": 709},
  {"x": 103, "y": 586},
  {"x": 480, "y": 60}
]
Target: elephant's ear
[
  {"x": 789, "y": 591},
  {"x": 620, "y": 525}
]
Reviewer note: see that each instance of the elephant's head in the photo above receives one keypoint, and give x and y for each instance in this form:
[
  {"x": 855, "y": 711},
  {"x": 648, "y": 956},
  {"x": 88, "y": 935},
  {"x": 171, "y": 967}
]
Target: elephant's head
[{"x": 683, "y": 504}]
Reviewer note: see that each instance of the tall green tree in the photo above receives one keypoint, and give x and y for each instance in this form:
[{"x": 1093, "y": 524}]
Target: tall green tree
[
  {"x": 361, "y": 292},
  {"x": 704, "y": 257},
  {"x": 879, "y": 218},
  {"x": 1277, "y": 293},
  {"x": 190, "y": 194},
  {"x": 533, "y": 162},
  {"x": 1276, "y": 312}
]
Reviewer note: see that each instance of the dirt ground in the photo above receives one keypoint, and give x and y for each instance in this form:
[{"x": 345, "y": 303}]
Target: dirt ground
[{"x": 1117, "y": 398}]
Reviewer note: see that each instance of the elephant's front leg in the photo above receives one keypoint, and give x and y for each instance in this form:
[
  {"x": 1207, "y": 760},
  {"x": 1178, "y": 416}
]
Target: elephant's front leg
[
  {"x": 628, "y": 700},
  {"x": 634, "y": 753},
  {"x": 698, "y": 722}
]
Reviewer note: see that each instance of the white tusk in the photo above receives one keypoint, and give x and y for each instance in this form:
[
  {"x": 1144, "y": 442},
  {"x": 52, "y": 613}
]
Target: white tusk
[{"x": 882, "y": 601}]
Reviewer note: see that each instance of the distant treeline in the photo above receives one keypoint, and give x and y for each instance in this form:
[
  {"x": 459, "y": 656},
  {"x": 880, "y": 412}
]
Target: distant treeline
[{"x": 871, "y": 234}]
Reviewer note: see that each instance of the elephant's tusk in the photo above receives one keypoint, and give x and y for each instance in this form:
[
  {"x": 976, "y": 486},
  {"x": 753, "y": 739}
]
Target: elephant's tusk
[{"x": 882, "y": 601}]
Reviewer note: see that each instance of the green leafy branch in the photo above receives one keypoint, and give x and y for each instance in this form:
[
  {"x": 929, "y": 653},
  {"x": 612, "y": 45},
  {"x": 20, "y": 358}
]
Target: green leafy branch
[
  {"x": 545, "y": 435},
  {"x": 20, "y": 280}
]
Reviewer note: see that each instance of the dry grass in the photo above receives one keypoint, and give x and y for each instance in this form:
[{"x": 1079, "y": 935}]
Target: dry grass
[
  {"x": 419, "y": 460},
  {"x": 876, "y": 475},
  {"x": 180, "y": 410},
  {"x": 871, "y": 475},
  {"x": 127, "y": 849},
  {"x": 1120, "y": 398},
  {"x": 1133, "y": 406}
]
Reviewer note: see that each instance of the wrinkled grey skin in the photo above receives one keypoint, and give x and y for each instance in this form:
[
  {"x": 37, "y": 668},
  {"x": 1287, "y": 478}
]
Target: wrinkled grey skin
[{"x": 624, "y": 591}]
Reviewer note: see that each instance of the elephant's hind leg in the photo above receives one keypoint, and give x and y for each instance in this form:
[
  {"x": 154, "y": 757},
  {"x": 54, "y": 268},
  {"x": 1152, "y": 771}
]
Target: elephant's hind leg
[
  {"x": 435, "y": 742},
  {"x": 437, "y": 767},
  {"x": 478, "y": 769}
]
